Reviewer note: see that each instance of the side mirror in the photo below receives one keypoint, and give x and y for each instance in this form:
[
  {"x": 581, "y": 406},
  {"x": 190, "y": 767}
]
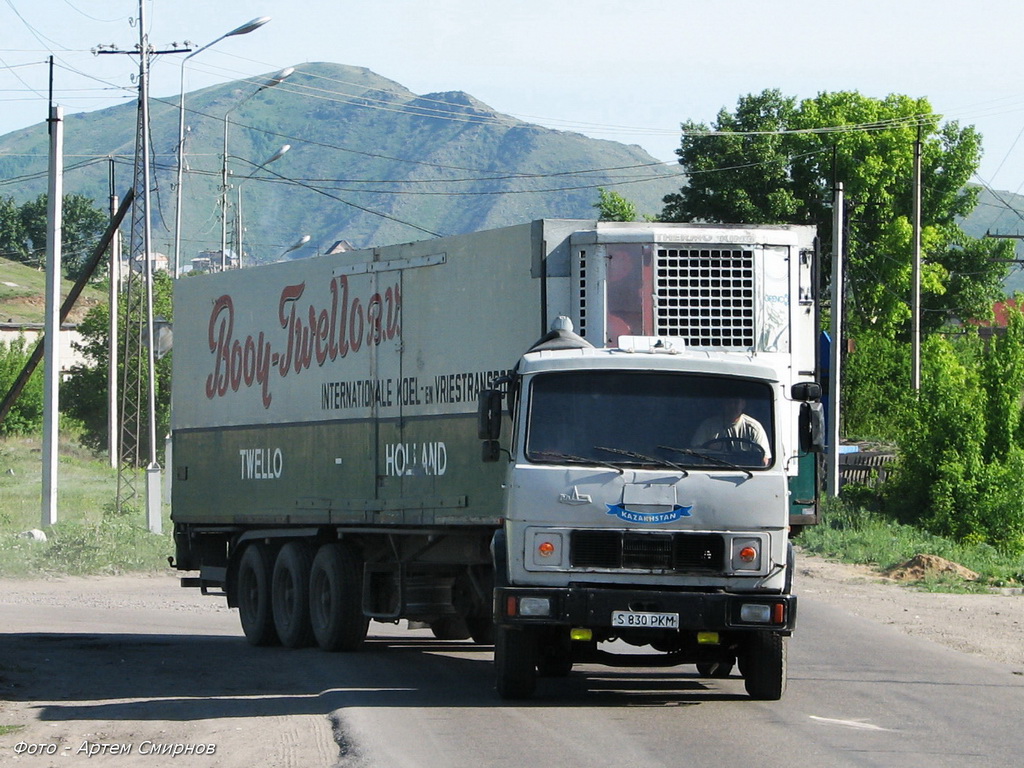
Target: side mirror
[
  {"x": 812, "y": 428},
  {"x": 806, "y": 391},
  {"x": 488, "y": 424}
]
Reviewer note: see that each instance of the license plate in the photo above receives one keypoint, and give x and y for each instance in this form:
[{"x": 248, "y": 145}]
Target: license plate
[{"x": 645, "y": 620}]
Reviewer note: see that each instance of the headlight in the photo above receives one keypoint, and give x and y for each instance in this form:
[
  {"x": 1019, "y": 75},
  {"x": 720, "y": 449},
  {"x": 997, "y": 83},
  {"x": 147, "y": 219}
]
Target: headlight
[
  {"x": 755, "y": 613},
  {"x": 535, "y": 606}
]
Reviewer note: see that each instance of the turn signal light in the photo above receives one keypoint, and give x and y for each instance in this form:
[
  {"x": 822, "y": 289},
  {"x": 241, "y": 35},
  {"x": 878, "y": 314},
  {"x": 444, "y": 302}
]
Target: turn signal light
[
  {"x": 748, "y": 554},
  {"x": 546, "y": 549}
]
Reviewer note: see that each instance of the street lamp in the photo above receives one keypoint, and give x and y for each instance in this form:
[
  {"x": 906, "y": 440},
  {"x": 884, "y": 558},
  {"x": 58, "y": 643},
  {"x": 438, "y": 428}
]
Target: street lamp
[
  {"x": 270, "y": 83},
  {"x": 242, "y": 30},
  {"x": 238, "y": 206},
  {"x": 301, "y": 242}
]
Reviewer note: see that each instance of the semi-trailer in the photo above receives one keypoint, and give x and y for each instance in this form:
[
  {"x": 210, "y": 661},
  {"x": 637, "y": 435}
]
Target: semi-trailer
[{"x": 545, "y": 436}]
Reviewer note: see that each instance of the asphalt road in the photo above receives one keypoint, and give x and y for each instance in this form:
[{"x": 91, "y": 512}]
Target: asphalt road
[{"x": 79, "y": 671}]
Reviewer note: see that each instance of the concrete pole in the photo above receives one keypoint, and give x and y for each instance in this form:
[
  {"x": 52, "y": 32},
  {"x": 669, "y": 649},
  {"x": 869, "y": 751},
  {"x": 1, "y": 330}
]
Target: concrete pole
[
  {"x": 154, "y": 506},
  {"x": 915, "y": 298},
  {"x": 224, "y": 200},
  {"x": 113, "y": 334},
  {"x": 836, "y": 356},
  {"x": 51, "y": 339}
]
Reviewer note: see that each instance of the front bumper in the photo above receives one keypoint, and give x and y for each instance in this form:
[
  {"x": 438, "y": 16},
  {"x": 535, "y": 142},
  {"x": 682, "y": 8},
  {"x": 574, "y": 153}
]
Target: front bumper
[{"x": 592, "y": 607}]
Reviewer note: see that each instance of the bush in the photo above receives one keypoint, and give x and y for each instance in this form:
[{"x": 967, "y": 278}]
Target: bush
[
  {"x": 960, "y": 471},
  {"x": 26, "y": 415}
]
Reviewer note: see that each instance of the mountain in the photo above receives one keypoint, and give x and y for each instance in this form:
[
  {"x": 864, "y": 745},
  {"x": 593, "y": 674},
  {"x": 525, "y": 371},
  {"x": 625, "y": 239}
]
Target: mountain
[
  {"x": 370, "y": 163},
  {"x": 1000, "y": 213}
]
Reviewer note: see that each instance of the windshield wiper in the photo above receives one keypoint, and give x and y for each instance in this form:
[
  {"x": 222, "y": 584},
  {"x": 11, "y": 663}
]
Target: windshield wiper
[
  {"x": 573, "y": 459},
  {"x": 644, "y": 457},
  {"x": 706, "y": 457}
]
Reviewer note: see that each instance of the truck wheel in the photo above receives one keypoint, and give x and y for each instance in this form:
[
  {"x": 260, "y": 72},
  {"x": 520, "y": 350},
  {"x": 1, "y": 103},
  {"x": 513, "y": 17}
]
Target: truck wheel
[
  {"x": 515, "y": 662},
  {"x": 764, "y": 668},
  {"x": 481, "y": 629},
  {"x": 254, "y": 603},
  {"x": 554, "y": 654},
  {"x": 289, "y": 590},
  {"x": 335, "y": 599}
]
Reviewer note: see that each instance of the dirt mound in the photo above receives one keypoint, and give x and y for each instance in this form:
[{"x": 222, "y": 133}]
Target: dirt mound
[{"x": 921, "y": 567}]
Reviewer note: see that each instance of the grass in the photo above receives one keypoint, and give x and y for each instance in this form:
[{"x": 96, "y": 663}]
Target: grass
[
  {"x": 91, "y": 536},
  {"x": 23, "y": 291},
  {"x": 854, "y": 535}
]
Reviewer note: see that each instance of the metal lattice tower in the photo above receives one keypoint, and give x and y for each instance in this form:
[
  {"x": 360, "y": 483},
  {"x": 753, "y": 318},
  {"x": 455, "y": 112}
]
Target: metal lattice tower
[
  {"x": 135, "y": 371},
  {"x": 139, "y": 372}
]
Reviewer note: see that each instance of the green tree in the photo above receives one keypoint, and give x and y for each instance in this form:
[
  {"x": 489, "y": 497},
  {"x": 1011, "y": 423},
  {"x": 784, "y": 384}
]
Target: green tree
[
  {"x": 774, "y": 161},
  {"x": 12, "y": 233},
  {"x": 84, "y": 393},
  {"x": 82, "y": 225},
  {"x": 612, "y": 206},
  {"x": 739, "y": 169},
  {"x": 26, "y": 415}
]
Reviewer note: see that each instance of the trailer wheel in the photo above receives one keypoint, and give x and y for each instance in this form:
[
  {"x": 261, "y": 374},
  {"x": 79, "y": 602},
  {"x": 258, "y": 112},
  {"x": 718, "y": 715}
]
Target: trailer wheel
[
  {"x": 764, "y": 666},
  {"x": 290, "y": 595},
  {"x": 515, "y": 662},
  {"x": 335, "y": 599},
  {"x": 254, "y": 601}
]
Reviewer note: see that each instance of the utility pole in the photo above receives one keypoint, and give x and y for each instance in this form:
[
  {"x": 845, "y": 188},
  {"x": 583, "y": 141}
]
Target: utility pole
[
  {"x": 51, "y": 364},
  {"x": 138, "y": 355},
  {"x": 915, "y": 297},
  {"x": 113, "y": 302},
  {"x": 835, "y": 351}
]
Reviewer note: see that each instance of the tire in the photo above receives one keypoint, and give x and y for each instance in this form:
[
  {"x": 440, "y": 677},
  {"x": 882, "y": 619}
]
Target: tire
[
  {"x": 556, "y": 662},
  {"x": 554, "y": 654},
  {"x": 335, "y": 599},
  {"x": 450, "y": 628},
  {"x": 481, "y": 629},
  {"x": 254, "y": 601},
  {"x": 715, "y": 669},
  {"x": 764, "y": 668},
  {"x": 289, "y": 591},
  {"x": 515, "y": 662}
]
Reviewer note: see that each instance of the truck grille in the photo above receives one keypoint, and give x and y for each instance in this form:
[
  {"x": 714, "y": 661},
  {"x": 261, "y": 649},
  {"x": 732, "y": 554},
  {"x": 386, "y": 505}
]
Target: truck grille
[
  {"x": 706, "y": 296},
  {"x": 653, "y": 551}
]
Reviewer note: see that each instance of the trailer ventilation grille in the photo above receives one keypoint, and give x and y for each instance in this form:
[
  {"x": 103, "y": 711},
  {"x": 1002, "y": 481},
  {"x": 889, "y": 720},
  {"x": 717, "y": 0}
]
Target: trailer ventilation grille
[
  {"x": 614, "y": 550},
  {"x": 706, "y": 296}
]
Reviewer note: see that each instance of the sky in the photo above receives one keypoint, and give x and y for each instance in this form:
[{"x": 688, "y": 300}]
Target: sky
[{"x": 628, "y": 72}]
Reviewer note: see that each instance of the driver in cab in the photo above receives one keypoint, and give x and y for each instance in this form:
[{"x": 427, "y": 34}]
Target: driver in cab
[{"x": 732, "y": 429}]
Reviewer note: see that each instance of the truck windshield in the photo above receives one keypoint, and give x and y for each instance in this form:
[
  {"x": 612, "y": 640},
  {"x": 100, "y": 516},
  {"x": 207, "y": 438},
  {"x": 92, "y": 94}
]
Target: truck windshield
[{"x": 650, "y": 419}]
